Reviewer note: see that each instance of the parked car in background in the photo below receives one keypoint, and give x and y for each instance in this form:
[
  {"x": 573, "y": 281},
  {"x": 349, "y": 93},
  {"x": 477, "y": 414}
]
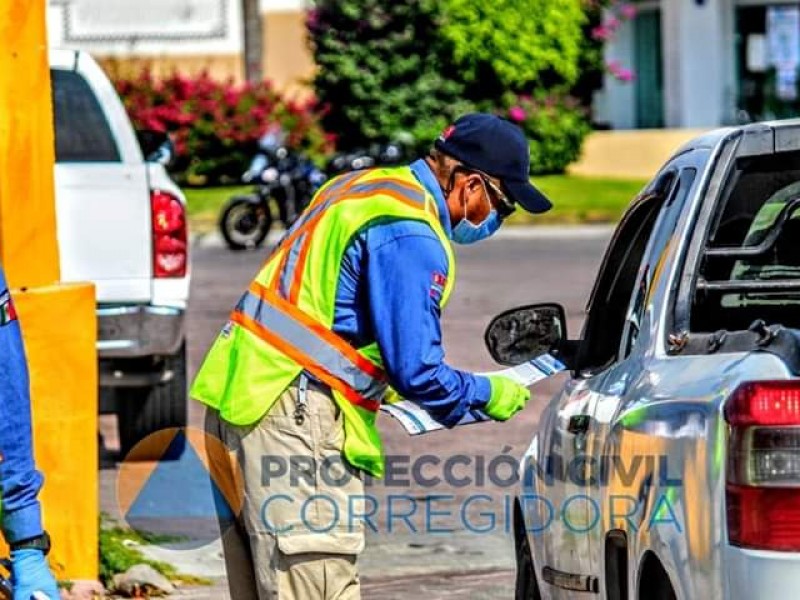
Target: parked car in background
[
  {"x": 669, "y": 464},
  {"x": 122, "y": 225}
]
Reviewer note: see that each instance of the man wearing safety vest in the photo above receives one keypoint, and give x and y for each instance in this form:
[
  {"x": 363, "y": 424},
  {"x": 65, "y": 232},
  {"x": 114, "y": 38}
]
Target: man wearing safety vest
[
  {"x": 346, "y": 310},
  {"x": 20, "y": 482}
]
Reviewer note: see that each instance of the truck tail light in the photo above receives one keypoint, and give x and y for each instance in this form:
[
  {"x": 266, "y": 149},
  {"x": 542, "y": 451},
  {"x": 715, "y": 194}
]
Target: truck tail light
[
  {"x": 170, "y": 243},
  {"x": 763, "y": 487}
]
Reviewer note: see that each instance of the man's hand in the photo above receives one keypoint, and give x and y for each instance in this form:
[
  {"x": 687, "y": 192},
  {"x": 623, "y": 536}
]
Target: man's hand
[
  {"x": 30, "y": 574},
  {"x": 508, "y": 398}
]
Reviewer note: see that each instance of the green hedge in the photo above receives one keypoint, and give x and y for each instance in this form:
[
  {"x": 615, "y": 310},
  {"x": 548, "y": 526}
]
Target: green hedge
[
  {"x": 383, "y": 70},
  {"x": 393, "y": 66},
  {"x": 556, "y": 126}
]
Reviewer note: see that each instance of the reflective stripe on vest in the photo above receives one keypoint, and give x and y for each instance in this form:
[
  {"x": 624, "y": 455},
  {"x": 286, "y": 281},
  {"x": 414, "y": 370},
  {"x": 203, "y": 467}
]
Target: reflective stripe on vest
[
  {"x": 320, "y": 350},
  {"x": 284, "y": 323},
  {"x": 274, "y": 317},
  {"x": 288, "y": 276}
]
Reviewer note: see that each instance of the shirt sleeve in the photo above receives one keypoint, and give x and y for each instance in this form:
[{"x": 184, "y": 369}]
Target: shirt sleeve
[
  {"x": 406, "y": 269},
  {"x": 20, "y": 482}
]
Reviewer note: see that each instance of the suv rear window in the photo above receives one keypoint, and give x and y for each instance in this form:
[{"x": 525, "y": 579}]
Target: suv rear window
[
  {"x": 751, "y": 267},
  {"x": 81, "y": 130}
]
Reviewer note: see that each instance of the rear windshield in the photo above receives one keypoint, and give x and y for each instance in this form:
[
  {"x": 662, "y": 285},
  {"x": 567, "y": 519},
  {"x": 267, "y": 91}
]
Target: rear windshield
[
  {"x": 81, "y": 130},
  {"x": 751, "y": 268}
]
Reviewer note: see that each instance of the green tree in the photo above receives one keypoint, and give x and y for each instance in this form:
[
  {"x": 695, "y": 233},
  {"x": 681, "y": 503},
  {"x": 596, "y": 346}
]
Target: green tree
[
  {"x": 387, "y": 66},
  {"x": 383, "y": 69},
  {"x": 517, "y": 44}
]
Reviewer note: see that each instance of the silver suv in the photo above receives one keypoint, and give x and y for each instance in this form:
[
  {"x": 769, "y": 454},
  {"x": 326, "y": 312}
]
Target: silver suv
[{"x": 669, "y": 464}]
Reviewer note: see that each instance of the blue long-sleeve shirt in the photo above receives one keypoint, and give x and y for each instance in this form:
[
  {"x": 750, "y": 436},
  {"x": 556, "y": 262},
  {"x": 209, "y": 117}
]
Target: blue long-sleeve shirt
[
  {"x": 20, "y": 482},
  {"x": 389, "y": 291}
]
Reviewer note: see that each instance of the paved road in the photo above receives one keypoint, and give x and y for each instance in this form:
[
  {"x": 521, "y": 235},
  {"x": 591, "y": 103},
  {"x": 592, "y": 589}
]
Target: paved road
[{"x": 436, "y": 546}]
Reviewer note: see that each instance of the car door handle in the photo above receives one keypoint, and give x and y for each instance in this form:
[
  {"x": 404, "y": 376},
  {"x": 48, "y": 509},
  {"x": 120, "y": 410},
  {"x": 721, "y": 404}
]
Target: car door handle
[{"x": 579, "y": 424}]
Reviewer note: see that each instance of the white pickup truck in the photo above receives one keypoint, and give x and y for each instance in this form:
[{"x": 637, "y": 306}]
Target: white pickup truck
[{"x": 122, "y": 225}]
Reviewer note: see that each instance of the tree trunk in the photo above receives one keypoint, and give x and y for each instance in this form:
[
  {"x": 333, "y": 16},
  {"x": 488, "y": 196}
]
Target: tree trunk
[{"x": 251, "y": 21}]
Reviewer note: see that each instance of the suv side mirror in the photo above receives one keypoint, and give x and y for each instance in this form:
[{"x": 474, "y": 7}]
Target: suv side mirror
[
  {"x": 156, "y": 146},
  {"x": 520, "y": 334}
]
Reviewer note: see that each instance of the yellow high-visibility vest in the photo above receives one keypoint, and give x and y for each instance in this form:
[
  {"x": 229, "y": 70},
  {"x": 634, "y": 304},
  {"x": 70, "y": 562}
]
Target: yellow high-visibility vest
[{"x": 282, "y": 325}]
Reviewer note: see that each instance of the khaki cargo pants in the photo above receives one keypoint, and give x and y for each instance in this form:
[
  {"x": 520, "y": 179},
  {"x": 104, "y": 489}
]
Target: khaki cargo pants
[{"x": 295, "y": 536}]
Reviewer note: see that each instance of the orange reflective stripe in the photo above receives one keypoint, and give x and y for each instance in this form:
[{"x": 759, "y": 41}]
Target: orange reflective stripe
[
  {"x": 299, "y": 268},
  {"x": 314, "y": 218},
  {"x": 319, "y": 329},
  {"x": 310, "y": 219},
  {"x": 304, "y": 361}
]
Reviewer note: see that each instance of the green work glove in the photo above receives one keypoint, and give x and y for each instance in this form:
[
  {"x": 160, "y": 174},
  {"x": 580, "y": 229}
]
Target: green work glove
[{"x": 507, "y": 399}]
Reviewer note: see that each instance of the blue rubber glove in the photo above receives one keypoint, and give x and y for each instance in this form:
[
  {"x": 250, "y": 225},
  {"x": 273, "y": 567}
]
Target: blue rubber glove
[{"x": 30, "y": 574}]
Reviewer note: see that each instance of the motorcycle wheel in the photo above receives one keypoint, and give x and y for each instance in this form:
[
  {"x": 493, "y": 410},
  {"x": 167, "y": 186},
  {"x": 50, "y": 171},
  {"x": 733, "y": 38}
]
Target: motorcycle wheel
[{"x": 245, "y": 222}]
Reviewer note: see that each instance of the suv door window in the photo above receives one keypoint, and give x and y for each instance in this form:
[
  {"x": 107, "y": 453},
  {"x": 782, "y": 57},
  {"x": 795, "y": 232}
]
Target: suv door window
[
  {"x": 751, "y": 261},
  {"x": 81, "y": 129},
  {"x": 610, "y": 299},
  {"x": 662, "y": 237}
]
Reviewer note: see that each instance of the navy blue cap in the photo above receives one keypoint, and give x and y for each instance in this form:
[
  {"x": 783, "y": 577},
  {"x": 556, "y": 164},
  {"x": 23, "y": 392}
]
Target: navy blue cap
[{"x": 498, "y": 148}]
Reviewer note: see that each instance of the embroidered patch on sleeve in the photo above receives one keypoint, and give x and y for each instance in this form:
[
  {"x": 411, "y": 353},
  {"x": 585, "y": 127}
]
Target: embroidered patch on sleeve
[
  {"x": 437, "y": 286},
  {"x": 7, "y": 312}
]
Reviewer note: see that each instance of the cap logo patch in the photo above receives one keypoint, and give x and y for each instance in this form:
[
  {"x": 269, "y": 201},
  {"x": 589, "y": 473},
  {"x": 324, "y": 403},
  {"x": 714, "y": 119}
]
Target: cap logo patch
[{"x": 447, "y": 133}]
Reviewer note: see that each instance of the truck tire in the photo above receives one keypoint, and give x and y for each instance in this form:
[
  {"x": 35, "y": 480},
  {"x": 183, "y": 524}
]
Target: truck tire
[
  {"x": 526, "y": 587},
  {"x": 143, "y": 412}
]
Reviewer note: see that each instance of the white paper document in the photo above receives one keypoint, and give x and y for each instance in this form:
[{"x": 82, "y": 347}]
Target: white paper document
[{"x": 416, "y": 420}]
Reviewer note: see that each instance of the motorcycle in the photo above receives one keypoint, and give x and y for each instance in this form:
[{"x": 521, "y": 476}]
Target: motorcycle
[
  {"x": 281, "y": 176},
  {"x": 289, "y": 180},
  {"x": 383, "y": 155}
]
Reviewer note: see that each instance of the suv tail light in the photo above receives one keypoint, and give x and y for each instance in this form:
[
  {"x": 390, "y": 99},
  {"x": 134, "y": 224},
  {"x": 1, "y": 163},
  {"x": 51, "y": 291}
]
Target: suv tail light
[
  {"x": 170, "y": 244},
  {"x": 763, "y": 489}
]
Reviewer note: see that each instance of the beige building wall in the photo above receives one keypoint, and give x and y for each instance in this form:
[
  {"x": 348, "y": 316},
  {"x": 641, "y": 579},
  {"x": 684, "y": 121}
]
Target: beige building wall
[
  {"x": 637, "y": 153},
  {"x": 287, "y": 59},
  {"x": 188, "y": 37},
  {"x": 219, "y": 66}
]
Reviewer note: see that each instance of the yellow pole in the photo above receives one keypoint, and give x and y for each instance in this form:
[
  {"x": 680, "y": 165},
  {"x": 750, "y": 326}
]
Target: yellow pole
[{"x": 58, "y": 320}]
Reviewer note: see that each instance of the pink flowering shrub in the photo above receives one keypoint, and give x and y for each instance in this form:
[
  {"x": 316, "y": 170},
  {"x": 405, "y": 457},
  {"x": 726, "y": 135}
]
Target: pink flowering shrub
[
  {"x": 618, "y": 12},
  {"x": 621, "y": 73},
  {"x": 215, "y": 125},
  {"x": 556, "y": 126}
]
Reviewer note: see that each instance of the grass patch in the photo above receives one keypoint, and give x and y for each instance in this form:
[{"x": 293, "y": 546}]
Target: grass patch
[
  {"x": 576, "y": 200},
  {"x": 205, "y": 204},
  {"x": 118, "y": 553}
]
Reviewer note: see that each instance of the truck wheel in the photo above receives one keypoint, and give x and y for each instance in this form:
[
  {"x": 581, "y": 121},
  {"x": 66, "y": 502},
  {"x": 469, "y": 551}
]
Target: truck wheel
[
  {"x": 527, "y": 588},
  {"x": 654, "y": 583},
  {"x": 143, "y": 412}
]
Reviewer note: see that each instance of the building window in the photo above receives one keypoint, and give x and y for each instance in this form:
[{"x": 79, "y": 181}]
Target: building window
[{"x": 768, "y": 60}]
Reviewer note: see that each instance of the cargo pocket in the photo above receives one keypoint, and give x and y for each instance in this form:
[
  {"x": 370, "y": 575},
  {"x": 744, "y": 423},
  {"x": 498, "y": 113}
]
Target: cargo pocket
[
  {"x": 282, "y": 469},
  {"x": 333, "y": 518}
]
